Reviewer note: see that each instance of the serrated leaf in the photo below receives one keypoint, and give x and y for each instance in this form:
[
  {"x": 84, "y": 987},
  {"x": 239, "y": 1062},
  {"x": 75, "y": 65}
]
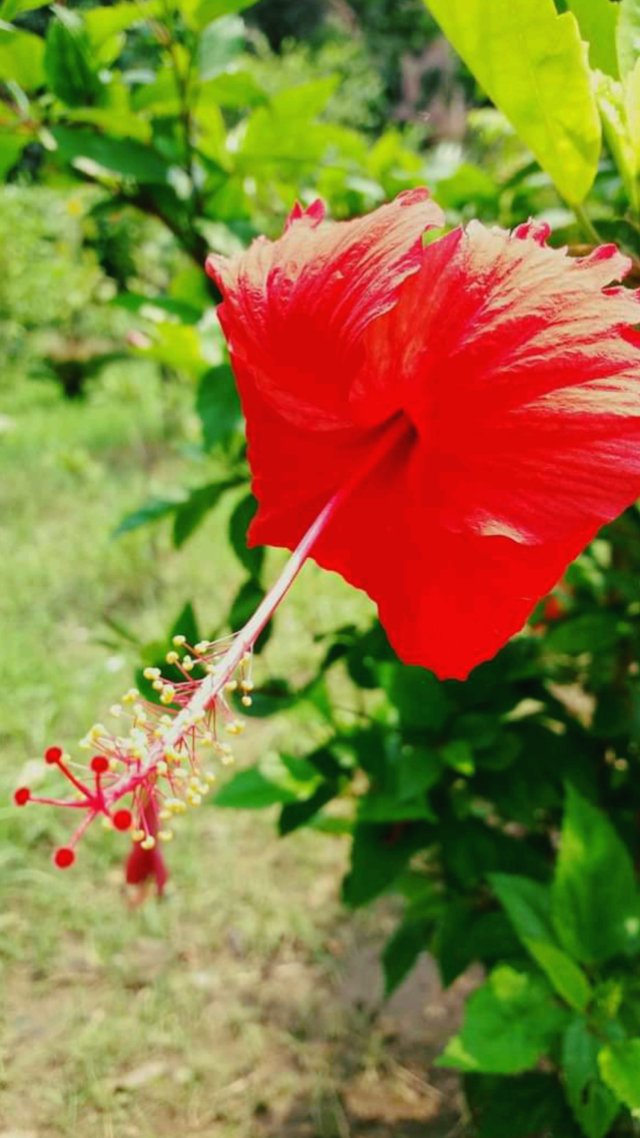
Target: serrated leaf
[
  {"x": 597, "y": 20},
  {"x": 509, "y": 1024},
  {"x": 532, "y": 65},
  {"x": 594, "y": 900},
  {"x": 619, "y": 1066}
]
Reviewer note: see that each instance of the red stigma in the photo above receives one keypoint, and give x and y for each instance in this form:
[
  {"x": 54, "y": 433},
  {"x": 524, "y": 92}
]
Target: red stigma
[
  {"x": 64, "y": 857},
  {"x": 122, "y": 819},
  {"x": 99, "y": 765},
  {"x": 22, "y": 796},
  {"x": 53, "y": 754}
]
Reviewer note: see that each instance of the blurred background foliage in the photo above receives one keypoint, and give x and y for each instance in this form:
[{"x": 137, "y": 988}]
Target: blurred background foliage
[{"x": 496, "y": 819}]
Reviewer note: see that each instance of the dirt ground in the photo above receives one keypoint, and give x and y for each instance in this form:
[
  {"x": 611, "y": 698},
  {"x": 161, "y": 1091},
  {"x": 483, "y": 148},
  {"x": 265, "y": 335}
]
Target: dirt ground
[{"x": 227, "y": 1016}]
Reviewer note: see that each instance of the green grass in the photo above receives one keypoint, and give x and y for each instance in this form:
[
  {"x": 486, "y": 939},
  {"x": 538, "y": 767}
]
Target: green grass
[{"x": 223, "y": 1011}]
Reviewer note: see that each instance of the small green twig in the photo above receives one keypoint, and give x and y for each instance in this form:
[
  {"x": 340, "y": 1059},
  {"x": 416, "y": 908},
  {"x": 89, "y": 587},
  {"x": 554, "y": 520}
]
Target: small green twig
[{"x": 587, "y": 226}]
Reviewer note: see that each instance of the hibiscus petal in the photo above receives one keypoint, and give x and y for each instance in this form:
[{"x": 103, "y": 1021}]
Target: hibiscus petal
[
  {"x": 518, "y": 369},
  {"x": 295, "y": 309}
]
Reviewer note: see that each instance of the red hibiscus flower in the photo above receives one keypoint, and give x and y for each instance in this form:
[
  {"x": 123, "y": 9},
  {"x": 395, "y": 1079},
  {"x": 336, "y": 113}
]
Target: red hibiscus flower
[{"x": 478, "y": 397}]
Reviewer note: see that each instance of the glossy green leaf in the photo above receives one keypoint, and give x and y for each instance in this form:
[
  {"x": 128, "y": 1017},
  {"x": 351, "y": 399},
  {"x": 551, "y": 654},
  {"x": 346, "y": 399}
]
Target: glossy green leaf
[
  {"x": 594, "y": 900},
  {"x": 619, "y": 1066},
  {"x": 191, "y": 513},
  {"x": 597, "y": 20},
  {"x": 509, "y": 1024},
  {"x": 378, "y": 855},
  {"x": 628, "y": 36},
  {"x": 592, "y": 1103},
  {"x": 151, "y": 511},
  {"x": 532, "y": 65}
]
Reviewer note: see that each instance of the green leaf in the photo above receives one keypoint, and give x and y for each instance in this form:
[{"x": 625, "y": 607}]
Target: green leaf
[
  {"x": 9, "y": 9},
  {"x": 402, "y": 950},
  {"x": 152, "y": 511},
  {"x": 532, "y": 65},
  {"x": 418, "y": 695},
  {"x": 72, "y": 71},
  {"x": 21, "y": 58},
  {"x": 378, "y": 856},
  {"x": 219, "y": 44},
  {"x": 594, "y": 900},
  {"x": 297, "y": 814},
  {"x": 239, "y": 522},
  {"x": 628, "y": 36},
  {"x": 11, "y": 147},
  {"x": 590, "y": 632},
  {"x": 591, "y": 1101},
  {"x": 203, "y": 12},
  {"x": 528, "y": 906},
  {"x": 619, "y": 1066},
  {"x": 250, "y": 789},
  {"x": 509, "y": 1024},
  {"x": 124, "y": 157},
  {"x": 458, "y": 754},
  {"x": 528, "y": 1106},
  {"x": 597, "y": 21},
  {"x": 191, "y": 513}
]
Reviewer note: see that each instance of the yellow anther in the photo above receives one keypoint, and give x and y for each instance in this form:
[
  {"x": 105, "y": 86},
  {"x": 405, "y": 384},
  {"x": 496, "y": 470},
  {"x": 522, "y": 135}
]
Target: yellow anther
[
  {"x": 165, "y": 835},
  {"x": 179, "y": 640},
  {"x": 148, "y": 843},
  {"x": 194, "y": 799},
  {"x": 158, "y": 733},
  {"x": 113, "y": 764},
  {"x": 210, "y": 778},
  {"x": 228, "y": 759},
  {"x": 151, "y": 673},
  {"x": 164, "y": 814},
  {"x": 130, "y": 696},
  {"x": 172, "y": 657},
  {"x": 115, "y": 710},
  {"x": 202, "y": 646},
  {"x": 137, "y": 835},
  {"x": 168, "y": 695},
  {"x": 231, "y": 685},
  {"x": 198, "y": 717},
  {"x": 247, "y": 685},
  {"x": 210, "y": 669},
  {"x": 234, "y": 728},
  {"x": 157, "y": 685},
  {"x": 246, "y": 701},
  {"x": 188, "y": 664}
]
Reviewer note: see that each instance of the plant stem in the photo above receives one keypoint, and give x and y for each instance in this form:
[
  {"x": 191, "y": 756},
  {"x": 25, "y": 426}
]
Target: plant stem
[{"x": 587, "y": 225}]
